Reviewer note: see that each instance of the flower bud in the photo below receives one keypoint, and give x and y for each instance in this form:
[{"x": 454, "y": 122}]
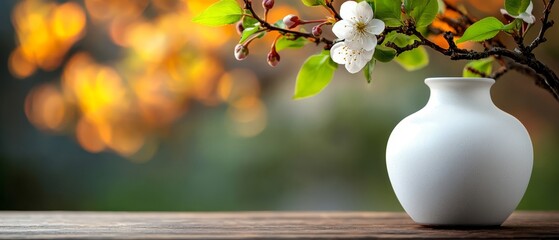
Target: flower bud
[
  {"x": 316, "y": 30},
  {"x": 507, "y": 17},
  {"x": 273, "y": 57},
  {"x": 291, "y": 21},
  {"x": 241, "y": 52},
  {"x": 240, "y": 28},
  {"x": 268, "y": 4}
]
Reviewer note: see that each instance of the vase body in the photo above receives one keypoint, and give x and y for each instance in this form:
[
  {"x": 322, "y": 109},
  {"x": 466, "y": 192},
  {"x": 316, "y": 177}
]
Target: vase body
[{"x": 460, "y": 160}]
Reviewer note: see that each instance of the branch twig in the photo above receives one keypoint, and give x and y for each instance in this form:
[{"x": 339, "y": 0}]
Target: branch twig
[
  {"x": 524, "y": 62},
  {"x": 546, "y": 24},
  {"x": 283, "y": 31},
  {"x": 330, "y": 6}
]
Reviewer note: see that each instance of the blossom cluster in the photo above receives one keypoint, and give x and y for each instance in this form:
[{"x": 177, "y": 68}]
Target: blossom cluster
[
  {"x": 357, "y": 31},
  {"x": 371, "y": 31}
]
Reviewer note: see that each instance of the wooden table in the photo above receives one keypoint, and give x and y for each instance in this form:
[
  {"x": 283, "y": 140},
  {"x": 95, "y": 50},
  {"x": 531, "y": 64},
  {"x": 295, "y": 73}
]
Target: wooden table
[{"x": 257, "y": 225}]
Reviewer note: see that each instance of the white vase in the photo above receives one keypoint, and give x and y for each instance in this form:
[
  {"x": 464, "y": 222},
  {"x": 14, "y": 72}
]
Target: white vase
[{"x": 460, "y": 160}]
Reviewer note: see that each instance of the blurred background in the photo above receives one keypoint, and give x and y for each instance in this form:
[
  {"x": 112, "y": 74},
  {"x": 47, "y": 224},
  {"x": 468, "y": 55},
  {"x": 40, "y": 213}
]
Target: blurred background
[{"x": 128, "y": 105}]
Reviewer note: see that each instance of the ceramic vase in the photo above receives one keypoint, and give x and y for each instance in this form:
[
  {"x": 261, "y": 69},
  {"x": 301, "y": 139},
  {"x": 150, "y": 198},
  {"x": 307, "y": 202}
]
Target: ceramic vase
[{"x": 460, "y": 160}]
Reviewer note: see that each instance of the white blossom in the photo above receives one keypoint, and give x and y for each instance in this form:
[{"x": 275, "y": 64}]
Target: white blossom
[
  {"x": 354, "y": 59},
  {"x": 526, "y": 16},
  {"x": 358, "y": 27}
]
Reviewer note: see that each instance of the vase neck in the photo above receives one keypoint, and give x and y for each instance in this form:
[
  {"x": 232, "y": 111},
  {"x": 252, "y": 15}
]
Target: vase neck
[{"x": 460, "y": 91}]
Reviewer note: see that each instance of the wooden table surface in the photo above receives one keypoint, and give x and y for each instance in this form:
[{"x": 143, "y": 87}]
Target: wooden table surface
[{"x": 257, "y": 225}]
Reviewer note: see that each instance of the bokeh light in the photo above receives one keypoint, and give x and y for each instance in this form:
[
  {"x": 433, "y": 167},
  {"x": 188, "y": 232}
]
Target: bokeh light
[{"x": 124, "y": 103}]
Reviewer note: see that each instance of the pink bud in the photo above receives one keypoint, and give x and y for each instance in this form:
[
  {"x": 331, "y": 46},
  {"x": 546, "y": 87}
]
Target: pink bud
[
  {"x": 316, "y": 30},
  {"x": 273, "y": 58},
  {"x": 241, "y": 52},
  {"x": 240, "y": 27},
  {"x": 268, "y": 4},
  {"x": 291, "y": 21}
]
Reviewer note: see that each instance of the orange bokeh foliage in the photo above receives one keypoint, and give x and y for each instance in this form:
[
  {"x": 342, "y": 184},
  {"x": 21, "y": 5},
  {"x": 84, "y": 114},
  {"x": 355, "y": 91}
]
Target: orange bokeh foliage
[
  {"x": 124, "y": 105},
  {"x": 45, "y": 32}
]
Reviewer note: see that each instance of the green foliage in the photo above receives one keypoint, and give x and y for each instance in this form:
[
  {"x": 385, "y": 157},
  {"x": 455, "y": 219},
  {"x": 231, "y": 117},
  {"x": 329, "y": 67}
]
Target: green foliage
[
  {"x": 422, "y": 11},
  {"x": 368, "y": 70},
  {"x": 414, "y": 59},
  {"x": 249, "y": 21},
  {"x": 311, "y": 3},
  {"x": 384, "y": 54},
  {"x": 220, "y": 13},
  {"x": 248, "y": 32},
  {"x": 315, "y": 74},
  {"x": 389, "y": 11},
  {"x": 442, "y": 7},
  {"x": 280, "y": 24},
  {"x": 284, "y": 42},
  {"x": 516, "y": 7},
  {"x": 400, "y": 39},
  {"x": 410, "y": 60},
  {"x": 482, "y": 65},
  {"x": 514, "y": 25},
  {"x": 482, "y": 30}
]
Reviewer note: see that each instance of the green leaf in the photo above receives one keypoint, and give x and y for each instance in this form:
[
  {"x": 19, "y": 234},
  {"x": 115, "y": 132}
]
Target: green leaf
[
  {"x": 247, "y": 33},
  {"x": 422, "y": 11},
  {"x": 414, "y": 59},
  {"x": 516, "y": 7},
  {"x": 389, "y": 11},
  {"x": 311, "y": 3},
  {"x": 368, "y": 70},
  {"x": 220, "y": 13},
  {"x": 315, "y": 74},
  {"x": 280, "y": 24},
  {"x": 401, "y": 40},
  {"x": 482, "y": 30},
  {"x": 516, "y": 24},
  {"x": 384, "y": 54},
  {"x": 249, "y": 21},
  {"x": 442, "y": 7},
  {"x": 284, "y": 43},
  {"x": 482, "y": 65}
]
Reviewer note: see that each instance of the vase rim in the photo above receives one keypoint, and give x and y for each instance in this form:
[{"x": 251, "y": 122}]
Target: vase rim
[{"x": 469, "y": 79}]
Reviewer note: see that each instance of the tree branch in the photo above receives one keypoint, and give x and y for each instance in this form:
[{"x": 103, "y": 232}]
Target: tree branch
[
  {"x": 330, "y": 7},
  {"x": 546, "y": 24},
  {"x": 269, "y": 27},
  {"x": 524, "y": 63}
]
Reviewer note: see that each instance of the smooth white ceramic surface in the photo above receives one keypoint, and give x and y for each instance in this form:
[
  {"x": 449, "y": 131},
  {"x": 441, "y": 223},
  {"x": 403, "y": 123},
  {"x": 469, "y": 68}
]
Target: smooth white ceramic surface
[{"x": 460, "y": 160}]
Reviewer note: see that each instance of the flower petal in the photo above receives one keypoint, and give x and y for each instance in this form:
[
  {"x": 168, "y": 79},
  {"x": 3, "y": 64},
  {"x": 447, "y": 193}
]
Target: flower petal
[
  {"x": 347, "y": 10},
  {"x": 338, "y": 53},
  {"x": 527, "y": 15},
  {"x": 357, "y": 59},
  {"x": 367, "y": 42},
  {"x": 504, "y": 12},
  {"x": 344, "y": 29},
  {"x": 529, "y": 8},
  {"x": 528, "y": 18},
  {"x": 354, "y": 43},
  {"x": 370, "y": 44},
  {"x": 364, "y": 12},
  {"x": 375, "y": 26}
]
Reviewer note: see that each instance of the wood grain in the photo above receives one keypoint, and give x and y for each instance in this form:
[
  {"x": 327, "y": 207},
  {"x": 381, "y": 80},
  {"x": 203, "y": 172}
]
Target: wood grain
[{"x": 257, "y": 225}]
